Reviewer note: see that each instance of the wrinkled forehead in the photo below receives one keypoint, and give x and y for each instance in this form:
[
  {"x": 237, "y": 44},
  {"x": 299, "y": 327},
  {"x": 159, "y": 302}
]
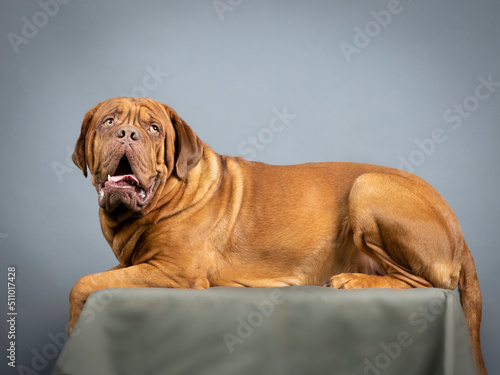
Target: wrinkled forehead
[{"x": 131, "y": 110}]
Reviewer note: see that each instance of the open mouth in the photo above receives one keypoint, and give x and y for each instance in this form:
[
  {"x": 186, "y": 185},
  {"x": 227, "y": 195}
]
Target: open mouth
[
  {"x": 123, "y": 187},
  {"x": 124, "y": 177}
]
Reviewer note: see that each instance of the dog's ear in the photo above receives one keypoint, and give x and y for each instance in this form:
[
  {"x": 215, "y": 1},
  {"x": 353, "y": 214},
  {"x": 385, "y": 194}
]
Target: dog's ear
[
  {"x": 79, "y": 153},
  {"x": 188, "y": 147}
]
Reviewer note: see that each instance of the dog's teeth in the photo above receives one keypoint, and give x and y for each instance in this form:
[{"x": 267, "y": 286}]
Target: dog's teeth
[{"x": 109, "y": 177}]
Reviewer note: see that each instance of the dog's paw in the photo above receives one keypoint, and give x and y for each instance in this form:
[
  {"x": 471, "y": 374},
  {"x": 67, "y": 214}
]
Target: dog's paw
[
  {"x": 363, "y": 281},
  {"x": 350, "y": 281}
]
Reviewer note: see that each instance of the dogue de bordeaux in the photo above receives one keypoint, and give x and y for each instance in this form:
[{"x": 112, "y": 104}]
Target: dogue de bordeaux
[{"x": 179, "y": 215}]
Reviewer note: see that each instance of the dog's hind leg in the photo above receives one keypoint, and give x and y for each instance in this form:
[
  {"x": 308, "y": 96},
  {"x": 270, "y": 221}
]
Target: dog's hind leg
[
  {"x": 403, "y": 224},
  {"x": 408, "y": 229}
]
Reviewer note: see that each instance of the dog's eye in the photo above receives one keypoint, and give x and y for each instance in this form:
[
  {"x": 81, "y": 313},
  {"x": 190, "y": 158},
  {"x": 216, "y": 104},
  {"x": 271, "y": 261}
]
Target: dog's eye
[
  {"x": 154, "y": 128},
  {"x": 109, "y": 122}
]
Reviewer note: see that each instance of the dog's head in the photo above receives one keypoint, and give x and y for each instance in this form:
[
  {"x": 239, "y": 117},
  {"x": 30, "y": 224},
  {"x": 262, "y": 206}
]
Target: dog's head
[{"x": 131, "y": 146}]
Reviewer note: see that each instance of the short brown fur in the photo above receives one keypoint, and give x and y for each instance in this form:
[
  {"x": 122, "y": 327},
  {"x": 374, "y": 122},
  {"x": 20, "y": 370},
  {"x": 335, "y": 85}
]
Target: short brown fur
[{"x": 215, "y": 220}]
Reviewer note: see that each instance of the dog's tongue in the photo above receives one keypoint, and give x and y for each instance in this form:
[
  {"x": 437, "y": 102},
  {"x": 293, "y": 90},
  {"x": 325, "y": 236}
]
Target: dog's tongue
[{"x": 126, "y": 177}]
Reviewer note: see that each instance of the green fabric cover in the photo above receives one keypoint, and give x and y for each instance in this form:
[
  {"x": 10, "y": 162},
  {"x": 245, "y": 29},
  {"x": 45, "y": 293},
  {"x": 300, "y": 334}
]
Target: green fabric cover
[{"x": 258, "y": 331}]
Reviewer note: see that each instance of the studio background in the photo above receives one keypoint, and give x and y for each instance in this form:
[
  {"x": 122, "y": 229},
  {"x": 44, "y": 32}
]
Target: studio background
[{"x": 407, "y": 84}]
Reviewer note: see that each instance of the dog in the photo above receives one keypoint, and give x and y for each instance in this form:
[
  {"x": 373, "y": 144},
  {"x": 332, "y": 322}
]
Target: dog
[{"x": 178, "y": 215}]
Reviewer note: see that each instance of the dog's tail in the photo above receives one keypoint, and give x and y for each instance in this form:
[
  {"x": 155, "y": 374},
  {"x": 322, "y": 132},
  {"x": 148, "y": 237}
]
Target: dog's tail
[{"x": 470, "y": 298}]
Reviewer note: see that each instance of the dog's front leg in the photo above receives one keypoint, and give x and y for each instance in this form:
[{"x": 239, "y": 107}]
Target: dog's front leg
[{"x": 144, "y": 275}]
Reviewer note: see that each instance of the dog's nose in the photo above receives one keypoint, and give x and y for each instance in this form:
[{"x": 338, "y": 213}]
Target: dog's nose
[{"x": 128, "y": 133}]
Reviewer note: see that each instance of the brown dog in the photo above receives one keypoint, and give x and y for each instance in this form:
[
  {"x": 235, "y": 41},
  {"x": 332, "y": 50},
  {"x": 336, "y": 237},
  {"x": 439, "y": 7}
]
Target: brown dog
[{"x": 178, "y": 215}]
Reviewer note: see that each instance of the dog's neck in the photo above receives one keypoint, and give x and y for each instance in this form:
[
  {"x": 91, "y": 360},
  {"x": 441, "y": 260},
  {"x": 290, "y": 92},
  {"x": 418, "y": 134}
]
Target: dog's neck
[{"x": 170, "y": 200}]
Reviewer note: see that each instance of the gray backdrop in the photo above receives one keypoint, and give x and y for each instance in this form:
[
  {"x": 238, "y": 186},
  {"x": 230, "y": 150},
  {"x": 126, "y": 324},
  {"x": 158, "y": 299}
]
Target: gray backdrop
[{"x": 408, "y": 84}]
